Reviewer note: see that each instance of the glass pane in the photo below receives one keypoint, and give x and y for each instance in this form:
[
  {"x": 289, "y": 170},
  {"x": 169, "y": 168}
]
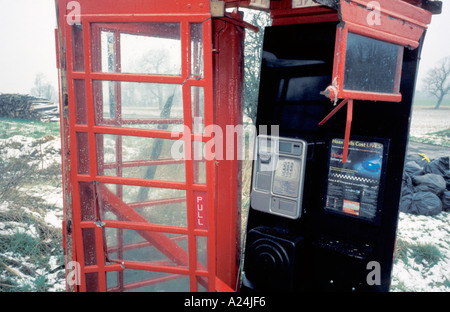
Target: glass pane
[
  {"x": 154, "y": 106},
  {"x": 372, "y": 65},
  {"x": 150, "y": 55},
  {"x": 90, "y": 252},
  {"x": 198, "y": 109},
  {"x": 80, "y": 101},
  {"x": 108, "y": 52},
  {"x": 154, "y": 205},
  {"x": 199, "y": 172},
  {"x": 91, "y": 282},
  {"x": 105, "y": 101},
  {"x": 202, "y": 284},
  {"x": 83, "y": 152},
  {"x": 78, "y": 48},
  {"x": 199, "y": 162},
  {"x": 146, "y": 281},
  {"x": 87, "y": 204},
  {"x": 197, "y": 50},
  {"x": 202, "y": 253},
  {"x": 138, "y": 48},
  {"x": 146, "y": 246},
  {"x": 138, "y": 157}
]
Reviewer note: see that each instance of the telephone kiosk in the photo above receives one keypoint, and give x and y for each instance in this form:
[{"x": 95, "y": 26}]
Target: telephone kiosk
[
  {"x": 336, "y": 87},
  {"x": 326, "y": 187}
]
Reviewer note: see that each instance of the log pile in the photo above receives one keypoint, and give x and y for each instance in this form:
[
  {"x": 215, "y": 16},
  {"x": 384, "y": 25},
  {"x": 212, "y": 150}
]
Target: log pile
[{"x": 28, "y": 107}]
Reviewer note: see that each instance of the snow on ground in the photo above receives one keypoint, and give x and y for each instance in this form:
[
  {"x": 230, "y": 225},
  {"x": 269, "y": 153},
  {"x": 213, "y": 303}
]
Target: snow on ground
[
  {"x": 425, "y": 121},
  {"x": 426, "y": 267},
  {"x": 45, "y": 151},
  {"x": 31, "y": 218},
  {"x": 410, "y": 273},
  {"x": 52, "y": 196}
]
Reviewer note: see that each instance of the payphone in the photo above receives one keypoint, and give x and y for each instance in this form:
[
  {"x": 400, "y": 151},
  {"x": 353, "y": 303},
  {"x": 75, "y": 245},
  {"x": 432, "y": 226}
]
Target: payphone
[{"x": 279, "y": 176}]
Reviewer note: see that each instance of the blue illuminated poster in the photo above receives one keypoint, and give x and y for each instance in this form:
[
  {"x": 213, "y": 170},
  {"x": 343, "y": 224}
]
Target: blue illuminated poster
[{"x": 353, "y": 186}]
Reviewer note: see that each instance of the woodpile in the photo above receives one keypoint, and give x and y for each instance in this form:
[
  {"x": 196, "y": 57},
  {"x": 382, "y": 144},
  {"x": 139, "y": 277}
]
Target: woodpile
[{"x": 28, "y": 107}]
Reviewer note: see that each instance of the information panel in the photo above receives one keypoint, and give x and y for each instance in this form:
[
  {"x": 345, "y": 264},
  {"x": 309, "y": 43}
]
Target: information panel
[{"x": 353, "y": 186}]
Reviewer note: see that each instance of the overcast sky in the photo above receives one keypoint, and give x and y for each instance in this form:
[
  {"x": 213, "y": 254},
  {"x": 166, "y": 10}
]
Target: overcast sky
[{"x": 27, "y": 44}]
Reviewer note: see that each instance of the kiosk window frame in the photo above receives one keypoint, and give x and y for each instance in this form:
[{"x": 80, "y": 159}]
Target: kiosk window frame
[{"x": 345, "y": 37}]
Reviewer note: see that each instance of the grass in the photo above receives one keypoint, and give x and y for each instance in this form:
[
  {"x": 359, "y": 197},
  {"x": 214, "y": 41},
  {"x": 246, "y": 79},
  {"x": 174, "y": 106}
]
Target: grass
[
  {"x": 21, "y": 244},
  {"x": 27, "y": 243},
  {"x": 424, "y": 101},
  {"x": 36, "y": 129},
  {"x": 29, "y": 255},
  {"x": 440, "y": 138},
  {"x": 446, "y": 283},
  {"x": 426, "y": 254},
  {"x": 422, "y": 253},
  {"x": 401, "y": 250},
  {"x": 443, "y": 133}
]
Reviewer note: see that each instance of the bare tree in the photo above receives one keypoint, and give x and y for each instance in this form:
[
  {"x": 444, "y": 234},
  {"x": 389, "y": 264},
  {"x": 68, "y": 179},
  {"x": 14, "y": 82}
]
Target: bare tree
[
  {"x": 38, "y": 89},
  {"x": 43, "y": 89},
  {"x": 437, "y": 81}
]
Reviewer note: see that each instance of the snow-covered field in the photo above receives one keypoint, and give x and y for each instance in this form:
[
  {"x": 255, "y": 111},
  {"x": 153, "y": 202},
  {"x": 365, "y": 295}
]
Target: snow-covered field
[
  {"x": 423, "y": 243},
  {"x": 423, "y": 254},
  {"x": 31, "y": 212},
  {"x": 427, "y": 121},
  {"x": 34, "y": 222}
]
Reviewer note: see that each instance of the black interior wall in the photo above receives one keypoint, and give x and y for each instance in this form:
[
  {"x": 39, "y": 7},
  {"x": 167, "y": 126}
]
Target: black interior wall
[{"x": 295, "y": 51}]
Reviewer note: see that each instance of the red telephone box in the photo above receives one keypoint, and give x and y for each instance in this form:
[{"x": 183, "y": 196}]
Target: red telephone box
[
  {"x": 136, "y": 80},
  {"x": 141, "y": 81}
]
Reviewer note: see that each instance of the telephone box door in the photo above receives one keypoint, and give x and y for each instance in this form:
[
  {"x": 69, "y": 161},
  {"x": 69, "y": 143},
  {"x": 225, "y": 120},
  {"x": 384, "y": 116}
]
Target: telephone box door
[{"x": 136, "y": 96}]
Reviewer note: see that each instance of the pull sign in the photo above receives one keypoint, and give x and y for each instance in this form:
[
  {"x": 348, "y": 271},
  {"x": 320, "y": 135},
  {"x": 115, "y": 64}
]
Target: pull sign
[{"x": 201, "y": 219}]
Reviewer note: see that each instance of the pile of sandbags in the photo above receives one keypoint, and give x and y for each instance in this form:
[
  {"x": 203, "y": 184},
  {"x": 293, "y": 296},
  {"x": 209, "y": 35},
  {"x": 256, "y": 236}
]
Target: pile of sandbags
[{"x": 426, "y": 186}]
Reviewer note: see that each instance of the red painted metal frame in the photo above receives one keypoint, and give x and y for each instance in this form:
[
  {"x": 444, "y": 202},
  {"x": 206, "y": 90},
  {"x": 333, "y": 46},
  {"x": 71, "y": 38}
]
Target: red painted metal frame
[
  {"x": 348, "y": 125},
  {"x": 339, "y": 70},
  {"x": 228, "y": 86},
  {"x": 283, "y": 14},
  {"x": 189, "y": 264},
  {"x": 399, "y": 23},
  {"x": 140, "y": 7}
]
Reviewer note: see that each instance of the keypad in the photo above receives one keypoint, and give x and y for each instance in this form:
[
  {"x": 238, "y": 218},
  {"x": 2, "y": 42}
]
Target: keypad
[{"x": 287, "y": 169}]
